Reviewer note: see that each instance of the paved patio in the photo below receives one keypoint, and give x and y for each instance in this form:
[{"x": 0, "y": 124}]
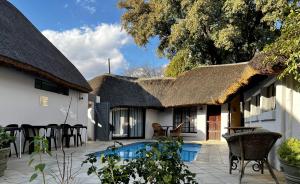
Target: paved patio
[{"x": 211, "y": 166}]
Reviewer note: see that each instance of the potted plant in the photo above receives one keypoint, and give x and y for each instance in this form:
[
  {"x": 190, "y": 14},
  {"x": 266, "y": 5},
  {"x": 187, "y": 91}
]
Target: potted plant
[
  {"x": 5, "y": 140},
  {"x": 289, "y": 155}
]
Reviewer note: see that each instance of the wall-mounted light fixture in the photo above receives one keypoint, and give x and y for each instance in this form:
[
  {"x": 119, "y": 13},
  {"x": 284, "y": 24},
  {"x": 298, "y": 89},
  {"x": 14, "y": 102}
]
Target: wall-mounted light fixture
[{"x": 81, "y": 96}]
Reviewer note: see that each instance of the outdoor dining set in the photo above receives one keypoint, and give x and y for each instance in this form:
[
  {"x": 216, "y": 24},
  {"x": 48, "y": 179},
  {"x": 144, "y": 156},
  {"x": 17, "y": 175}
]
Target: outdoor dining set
[
  {"x": 162, "y": 131},
  {"x": 52, "y": 132}
]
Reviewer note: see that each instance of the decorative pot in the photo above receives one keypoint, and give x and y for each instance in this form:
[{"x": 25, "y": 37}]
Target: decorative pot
[
  {"x": 291, "y": 173},
  {"x": 4, "y": 153}
]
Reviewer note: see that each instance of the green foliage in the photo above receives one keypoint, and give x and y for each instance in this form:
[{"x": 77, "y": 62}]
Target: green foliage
[
  {"x": 194, "y": 32},
  {"x": 288, "y": 45},
  {"x": 5, "y": 139},
  {"x": 289, "y": 151},
  {"x": 160, "y": 164},
  {"x": 112, "y": 171},
  {"x": 40, "y": 147}
]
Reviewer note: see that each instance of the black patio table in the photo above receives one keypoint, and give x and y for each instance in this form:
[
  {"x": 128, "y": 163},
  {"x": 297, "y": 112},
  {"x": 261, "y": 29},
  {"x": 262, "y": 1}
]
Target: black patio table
[{"x": 37, "y": 127}]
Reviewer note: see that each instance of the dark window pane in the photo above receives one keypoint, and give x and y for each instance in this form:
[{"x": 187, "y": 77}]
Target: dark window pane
[{"x": 50, "y": 86}]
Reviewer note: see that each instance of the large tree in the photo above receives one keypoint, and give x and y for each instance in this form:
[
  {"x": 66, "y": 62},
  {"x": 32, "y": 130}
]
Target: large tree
[
  {"x": 287, "y": 45},
  {"x": 194, "y": 32}
]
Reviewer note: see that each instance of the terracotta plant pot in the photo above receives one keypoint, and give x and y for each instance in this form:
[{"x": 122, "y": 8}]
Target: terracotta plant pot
[
  {"x": 4, "y": 153},
  {"x": 291, "y": 173}
]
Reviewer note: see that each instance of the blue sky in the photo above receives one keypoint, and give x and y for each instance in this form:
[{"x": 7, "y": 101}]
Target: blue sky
[{"x": 88, "y": 32}]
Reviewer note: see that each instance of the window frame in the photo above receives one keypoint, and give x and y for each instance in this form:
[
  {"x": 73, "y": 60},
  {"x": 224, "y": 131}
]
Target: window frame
[{"x": 189, "y": 126}]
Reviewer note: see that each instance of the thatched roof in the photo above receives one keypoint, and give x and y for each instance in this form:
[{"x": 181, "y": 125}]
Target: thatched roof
[
  {"x": 203, "y": 85},
  {"x": 23, "y": 46},
  {"x": 209, "y": 84},
  {"x": 122, "y": 91},
  {"x": 260, "y": 63}
]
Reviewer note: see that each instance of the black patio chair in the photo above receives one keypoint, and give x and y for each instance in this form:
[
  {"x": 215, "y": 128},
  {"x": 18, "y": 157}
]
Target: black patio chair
[
  {"x": 67, "y": 134},
  {"x": 52, "y": 129},
  {"x": 13, "y": 133},
  {"x": 252, "y": 146},
  {"x": 79, "y": 128},
  {"x": 29, "y": 134}
]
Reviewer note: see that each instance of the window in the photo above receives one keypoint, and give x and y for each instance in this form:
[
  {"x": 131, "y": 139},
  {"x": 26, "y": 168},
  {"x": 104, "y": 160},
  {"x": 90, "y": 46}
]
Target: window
[
  {"x": 128, "y": 122},
  {"x": 50, "y": 86},
  {"x": 188, "y": 116},
  {"x": 247, "y": 109},
  {"x": 255, "y": 105},
  {"x": 269, "y": 101}
]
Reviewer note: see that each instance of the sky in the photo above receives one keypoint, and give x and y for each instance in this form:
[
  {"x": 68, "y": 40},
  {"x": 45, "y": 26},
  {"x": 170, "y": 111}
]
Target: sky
[{"x": 88, "y": 32}]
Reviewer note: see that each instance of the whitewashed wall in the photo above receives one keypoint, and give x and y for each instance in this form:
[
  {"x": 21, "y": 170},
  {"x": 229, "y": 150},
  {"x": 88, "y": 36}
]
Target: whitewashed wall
[
  {"x": 285, "y": 119},
  {"x": 165, "y": 118},
  {"x": 20, "y": 102},
  {"x": 224, "y": 120},
  {"x": 151, "y": 117}
]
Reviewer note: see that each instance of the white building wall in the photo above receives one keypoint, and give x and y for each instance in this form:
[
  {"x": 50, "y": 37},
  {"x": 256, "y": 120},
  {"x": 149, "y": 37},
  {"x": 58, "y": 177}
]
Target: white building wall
[
  {"x": 151, "y": 117},
  {"x": 20, "y": 102},
  {"x": 224, "y": 120},
  {"x": 201, "y": 122},
  {"x": 165, "y": 118},
  {"x": 285, "y": 119}
]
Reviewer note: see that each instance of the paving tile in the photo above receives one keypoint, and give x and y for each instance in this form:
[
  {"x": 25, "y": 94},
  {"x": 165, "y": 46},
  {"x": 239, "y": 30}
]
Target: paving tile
[{"x": 211, "y": 166}]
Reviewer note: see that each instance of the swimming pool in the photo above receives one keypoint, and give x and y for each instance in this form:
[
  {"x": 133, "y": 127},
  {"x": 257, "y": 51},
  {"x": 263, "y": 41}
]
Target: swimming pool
[{"x": 189, "y": 151}]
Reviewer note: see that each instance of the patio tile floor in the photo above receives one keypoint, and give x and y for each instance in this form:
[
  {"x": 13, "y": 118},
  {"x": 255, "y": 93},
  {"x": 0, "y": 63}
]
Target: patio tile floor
[{"x": 211, "y": 166}]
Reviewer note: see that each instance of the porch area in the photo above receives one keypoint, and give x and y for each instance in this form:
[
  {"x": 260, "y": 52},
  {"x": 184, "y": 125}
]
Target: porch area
[{"x": 210, "y": 166}]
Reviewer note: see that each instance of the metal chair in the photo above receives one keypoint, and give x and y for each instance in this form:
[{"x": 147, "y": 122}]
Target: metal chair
[
  {"x": 13, "y": 133},
  {"x": 252, "y": 146}
]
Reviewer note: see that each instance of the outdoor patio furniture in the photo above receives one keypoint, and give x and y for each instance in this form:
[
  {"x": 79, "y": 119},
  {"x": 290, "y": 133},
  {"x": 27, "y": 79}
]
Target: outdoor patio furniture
[
  {"x": 13, "y": 133},
  {"x": 252, "y": 146},
  {"x": 177, "y": 131},
  {"x": 67, "y": 134},
  {"x": 158, "y": 131},
  {"x": 79, "y": 128},
  {"x": 52, "y": 135},
  {"x": 29, "y": 134}
]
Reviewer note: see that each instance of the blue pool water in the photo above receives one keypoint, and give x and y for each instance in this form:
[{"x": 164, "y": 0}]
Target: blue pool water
[{"x": 189, "y": 151}]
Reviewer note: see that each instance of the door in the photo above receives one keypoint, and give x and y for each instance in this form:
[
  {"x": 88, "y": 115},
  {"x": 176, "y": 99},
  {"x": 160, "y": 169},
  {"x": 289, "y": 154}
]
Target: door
[
  {"x": 213, "y": 123},
  {"x": 102, "y": 129}
]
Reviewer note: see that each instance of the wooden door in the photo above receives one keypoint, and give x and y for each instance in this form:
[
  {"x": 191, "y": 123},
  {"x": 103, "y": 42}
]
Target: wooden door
[{"x": 214, "y": 123}]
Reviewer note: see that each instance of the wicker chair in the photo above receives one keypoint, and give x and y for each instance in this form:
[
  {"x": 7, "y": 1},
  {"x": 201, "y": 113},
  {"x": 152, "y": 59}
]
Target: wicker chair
[
  {"x": 177, "y": 131},
  {"x": 251, "y": 146},
  {"x": 158, "y": 131}
]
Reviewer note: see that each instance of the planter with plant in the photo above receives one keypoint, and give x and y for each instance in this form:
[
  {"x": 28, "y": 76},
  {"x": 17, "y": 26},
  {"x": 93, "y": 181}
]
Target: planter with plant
[
  {"x": 5, "y": 140},
  {"x": 289, "y": 154}
]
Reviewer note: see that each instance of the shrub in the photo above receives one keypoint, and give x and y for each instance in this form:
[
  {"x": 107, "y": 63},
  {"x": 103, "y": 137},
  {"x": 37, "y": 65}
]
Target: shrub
[
  {"x": 159, "y": 163},
  {"x": 5, "y": 139},
  {"x": 289, "y": 151}
]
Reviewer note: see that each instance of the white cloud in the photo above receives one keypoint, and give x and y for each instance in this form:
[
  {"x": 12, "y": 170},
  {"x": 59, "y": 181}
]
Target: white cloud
[
  {"x": 89, "y": 48},
  {"x": 88, "y": 5}
]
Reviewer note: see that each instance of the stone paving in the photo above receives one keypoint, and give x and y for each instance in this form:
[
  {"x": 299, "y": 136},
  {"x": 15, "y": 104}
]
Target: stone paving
[{"x": 211, "y": 166}]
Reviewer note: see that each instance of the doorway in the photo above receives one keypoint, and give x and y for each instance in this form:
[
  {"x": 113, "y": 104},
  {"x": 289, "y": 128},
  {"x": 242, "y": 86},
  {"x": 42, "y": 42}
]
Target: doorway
[{"x": 213, "y": 122}]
